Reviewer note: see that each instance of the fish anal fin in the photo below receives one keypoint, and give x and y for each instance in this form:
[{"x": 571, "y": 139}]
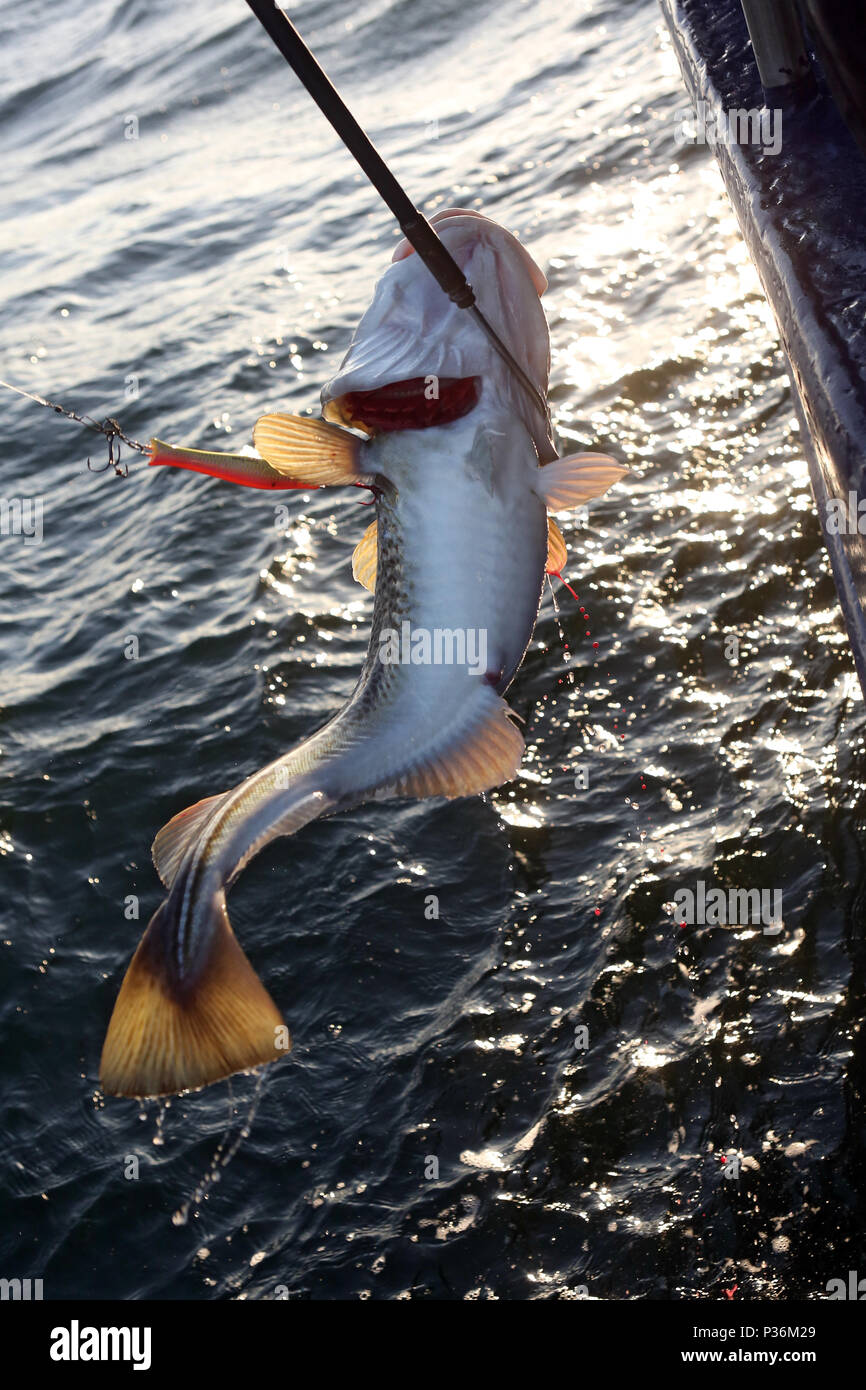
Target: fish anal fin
[
  {"x": 178, "y": 834},
  {"x": 557, "y": 554},
  {"x": 163, "y": 1039},
  {"x": 485, "y": 756},
  {"x": 308, "y": 450},
  {"x": 570, "y": 482},
  {"x": 365, "y": 557}
]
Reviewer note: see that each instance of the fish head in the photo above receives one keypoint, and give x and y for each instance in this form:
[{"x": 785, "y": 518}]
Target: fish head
[{"x": 416, "y": 359}]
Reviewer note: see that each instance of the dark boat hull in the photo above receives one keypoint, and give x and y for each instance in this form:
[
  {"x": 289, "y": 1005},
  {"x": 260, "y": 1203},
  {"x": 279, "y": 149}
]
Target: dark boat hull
[{"x": 802, "y": 212}]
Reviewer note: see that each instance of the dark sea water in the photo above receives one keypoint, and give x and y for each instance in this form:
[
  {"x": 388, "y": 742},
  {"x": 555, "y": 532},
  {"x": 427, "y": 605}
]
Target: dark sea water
[{"x": 210, "y": 270}]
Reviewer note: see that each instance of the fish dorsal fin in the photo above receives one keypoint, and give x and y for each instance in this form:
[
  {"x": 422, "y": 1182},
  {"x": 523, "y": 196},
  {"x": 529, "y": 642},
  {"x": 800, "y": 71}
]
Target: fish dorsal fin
[
  {"x": 311, "y": 451},
  {"x": 178, "y": 835},
  {"x": 572, "y": 481},
  {"x": 365, "y": 556},
  {"x": 557, "y": 553},
  {"x": 485, "y": 755}
]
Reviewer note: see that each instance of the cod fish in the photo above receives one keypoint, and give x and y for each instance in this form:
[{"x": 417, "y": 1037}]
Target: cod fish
[{"x": 424, "y": 413}]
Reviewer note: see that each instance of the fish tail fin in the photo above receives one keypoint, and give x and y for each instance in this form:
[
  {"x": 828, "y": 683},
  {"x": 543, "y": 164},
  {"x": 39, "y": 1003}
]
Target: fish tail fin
[{"x": 165, "y": 1036}]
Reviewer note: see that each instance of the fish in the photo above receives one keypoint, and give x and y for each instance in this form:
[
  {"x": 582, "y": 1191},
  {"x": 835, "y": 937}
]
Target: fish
[{"x": 424, "y": 414}]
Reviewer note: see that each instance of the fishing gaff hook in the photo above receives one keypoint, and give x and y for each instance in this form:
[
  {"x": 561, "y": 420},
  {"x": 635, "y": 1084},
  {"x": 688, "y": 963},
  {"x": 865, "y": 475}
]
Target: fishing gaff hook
[{"x": 413, "y": 223}]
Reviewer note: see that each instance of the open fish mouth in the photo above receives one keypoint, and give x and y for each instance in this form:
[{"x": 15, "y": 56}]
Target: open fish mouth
[
  {"x": 417, "y": 403},
  {"x": 411, "y": 329}
]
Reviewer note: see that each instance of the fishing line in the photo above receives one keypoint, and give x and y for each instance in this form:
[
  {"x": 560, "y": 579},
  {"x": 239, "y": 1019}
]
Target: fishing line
[{"x": 108, "y": 427}]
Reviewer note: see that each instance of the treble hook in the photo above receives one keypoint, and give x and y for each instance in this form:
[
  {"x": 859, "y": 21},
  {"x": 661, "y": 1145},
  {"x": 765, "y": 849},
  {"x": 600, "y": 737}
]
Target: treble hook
[
  {"x": 113, "y": 433},
  {"x": 110, "y": 427}
]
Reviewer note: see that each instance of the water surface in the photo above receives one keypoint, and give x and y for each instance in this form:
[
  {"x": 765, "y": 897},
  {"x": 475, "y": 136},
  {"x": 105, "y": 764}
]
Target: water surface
[{"x": 211, "y": 269}]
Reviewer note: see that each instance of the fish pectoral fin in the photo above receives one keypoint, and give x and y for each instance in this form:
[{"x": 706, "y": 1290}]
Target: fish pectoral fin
[
  {"x": 310, "y": 451},
  {"x": 557, "y": 554},
  {"x": 365, "y": 557},
  {"x": 163, "y": 1039},
  {"x": 484, "y": 756},
  {"x": 178, "y": 834},
  {"x": 572, "y": 481}
]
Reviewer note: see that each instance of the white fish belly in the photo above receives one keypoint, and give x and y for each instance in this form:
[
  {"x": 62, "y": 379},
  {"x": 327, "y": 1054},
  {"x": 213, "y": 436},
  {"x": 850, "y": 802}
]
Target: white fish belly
[{"x": 473, "y": 545}]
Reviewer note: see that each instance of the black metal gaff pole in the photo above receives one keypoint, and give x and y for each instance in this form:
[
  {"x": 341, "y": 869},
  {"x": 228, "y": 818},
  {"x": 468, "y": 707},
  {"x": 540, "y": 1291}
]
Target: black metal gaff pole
[{"x": 413, "y": 223}]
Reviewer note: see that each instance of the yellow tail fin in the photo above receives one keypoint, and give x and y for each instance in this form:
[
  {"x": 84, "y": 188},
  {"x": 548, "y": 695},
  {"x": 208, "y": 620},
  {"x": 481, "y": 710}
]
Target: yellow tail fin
[{"x": 163, "y": 1038}]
